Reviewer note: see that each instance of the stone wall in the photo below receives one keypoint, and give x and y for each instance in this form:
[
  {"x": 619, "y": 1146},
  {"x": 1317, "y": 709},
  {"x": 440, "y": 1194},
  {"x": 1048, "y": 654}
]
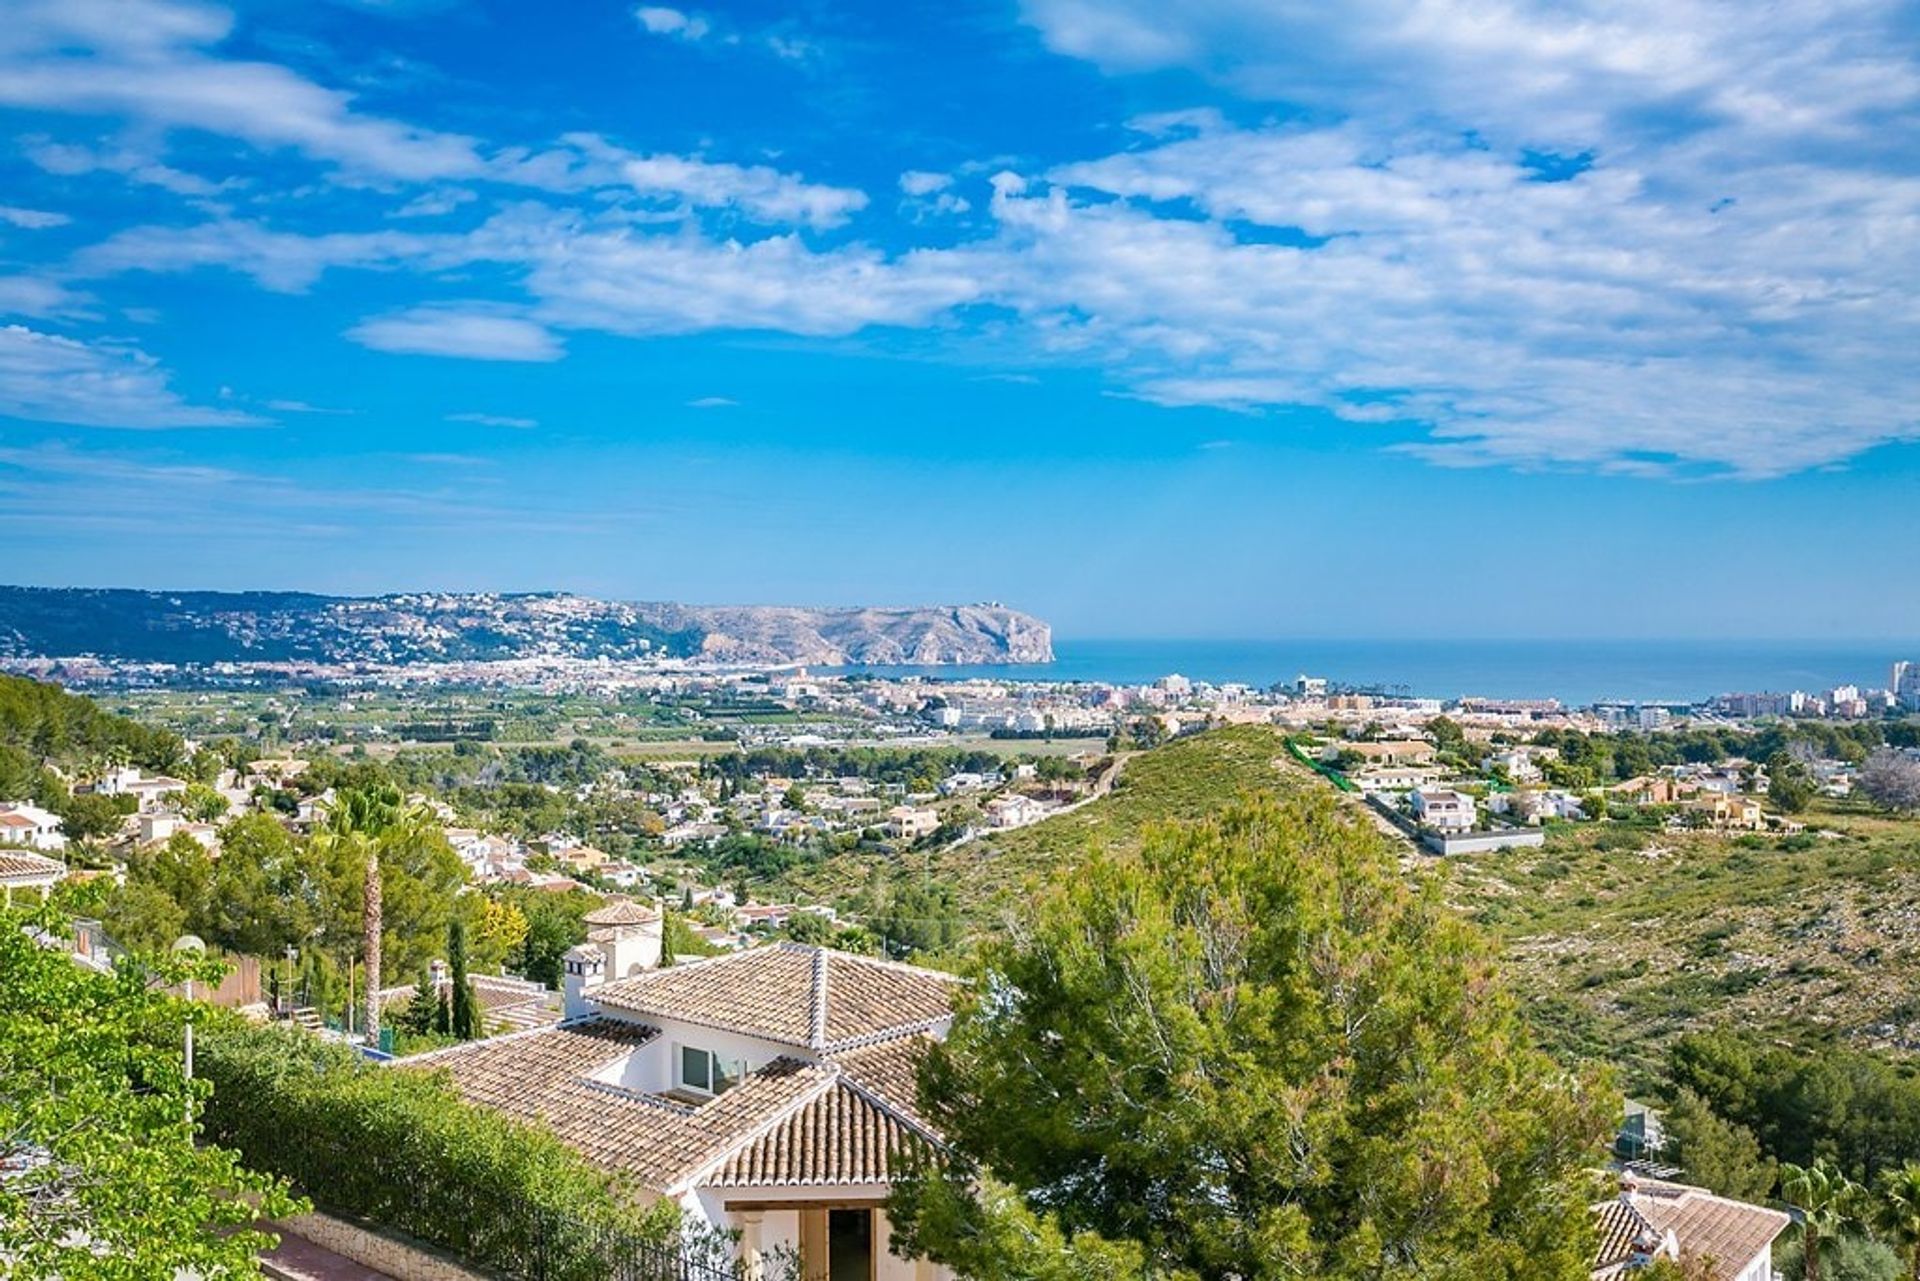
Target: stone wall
[{"x": 395, "y": 1256}]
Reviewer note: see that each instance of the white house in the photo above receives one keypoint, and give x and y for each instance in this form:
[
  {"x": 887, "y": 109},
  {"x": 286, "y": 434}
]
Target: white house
[
  {"x": 1014, "y": 810},
  {"x": 147, "y": 790},
  {"x": 1650, "y": 1220},
  {"x": 1443, "y": 809},
  {"x": 35, "y": 873},
  {"x": 31, "y": 826},
  {"x": 769, "y": 1092}
]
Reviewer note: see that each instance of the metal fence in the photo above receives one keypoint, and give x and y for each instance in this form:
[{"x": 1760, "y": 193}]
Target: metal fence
[{"x": 516, "y": 1241}]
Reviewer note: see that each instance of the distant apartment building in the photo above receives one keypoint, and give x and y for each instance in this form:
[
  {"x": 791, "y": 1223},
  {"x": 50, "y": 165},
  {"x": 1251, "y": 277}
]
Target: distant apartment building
[{"x": 1905, "y": 685}]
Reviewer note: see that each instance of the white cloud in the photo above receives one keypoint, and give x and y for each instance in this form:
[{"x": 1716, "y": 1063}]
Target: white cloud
[
  {"x": 468, "y": 333},
  {"x": 919, "y": 182},
  {"x": 712, "y": 402},
  {"x": 587, "y": 275},
  {"x": 302, "y": 407},
  {"x": 1531, "y": 71},
  {"x": 661, "y": 21},
  {"x": 434, "y": 203},
  {"x": 281, "y": 261},
  {"x": 135, "y": 164},
  {"x": 32, "y": 219},
  {"x": 493, "y": 420},
  {"x": 768, "y": 195},
  {"x": 38, "y": 296},
  {"x": 149, "y": 60},
  {"x": 49, "y": 378}
]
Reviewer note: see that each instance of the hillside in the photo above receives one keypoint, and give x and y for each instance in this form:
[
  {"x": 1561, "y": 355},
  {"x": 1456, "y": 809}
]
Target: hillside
[
  {"x": 1186, "y": 779},
  {"x": 1621, "y": 938},
  {"x": 426, "y": 627},
  {"x": 1625, "y": 938}
]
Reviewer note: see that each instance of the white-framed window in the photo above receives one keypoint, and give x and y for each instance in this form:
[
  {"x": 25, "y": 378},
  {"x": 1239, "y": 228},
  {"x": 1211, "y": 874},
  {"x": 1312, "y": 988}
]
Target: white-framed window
[{"x": 704, "y": 1072}]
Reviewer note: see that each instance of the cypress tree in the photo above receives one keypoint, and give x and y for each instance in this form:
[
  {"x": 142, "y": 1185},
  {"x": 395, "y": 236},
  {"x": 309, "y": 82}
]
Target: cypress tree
[{"x": 464, "y": 1008}]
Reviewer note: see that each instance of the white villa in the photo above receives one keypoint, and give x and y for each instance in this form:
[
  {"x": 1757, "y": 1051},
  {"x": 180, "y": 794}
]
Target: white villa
[
  {"x": 31, "y": 826},
  {"x": 770, "y": 1091},
  {"x": 1443, "y": 809},
  {"x": 1651, "y": 1220},
  {"x": 33, "y": 873}
]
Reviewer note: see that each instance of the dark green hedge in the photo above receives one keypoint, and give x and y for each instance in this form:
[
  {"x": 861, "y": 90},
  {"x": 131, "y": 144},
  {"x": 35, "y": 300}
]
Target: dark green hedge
[{"x": 399, "y": 1148}]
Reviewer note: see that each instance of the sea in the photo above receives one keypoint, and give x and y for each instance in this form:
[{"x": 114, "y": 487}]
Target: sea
[{"x": 1578, "y": 673}]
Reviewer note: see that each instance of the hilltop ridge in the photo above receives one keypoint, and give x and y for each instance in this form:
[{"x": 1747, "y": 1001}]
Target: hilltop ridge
[{"x": 425, "y": 627}]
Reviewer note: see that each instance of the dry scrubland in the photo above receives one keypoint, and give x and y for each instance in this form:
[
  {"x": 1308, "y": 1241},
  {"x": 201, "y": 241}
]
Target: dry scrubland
[
  {"x": 1626, "y": 937},
  {"x": 1622, "y": 936}
]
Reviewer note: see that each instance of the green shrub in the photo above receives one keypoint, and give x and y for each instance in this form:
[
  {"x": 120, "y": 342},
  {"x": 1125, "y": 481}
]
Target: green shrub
[{"x": 402, "y": 1149}]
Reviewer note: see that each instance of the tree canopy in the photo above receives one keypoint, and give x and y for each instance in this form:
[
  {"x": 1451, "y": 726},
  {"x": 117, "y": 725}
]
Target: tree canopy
[
  {"x": 98, "y": 1122},
  {"x": 1251, "y": 1051}
]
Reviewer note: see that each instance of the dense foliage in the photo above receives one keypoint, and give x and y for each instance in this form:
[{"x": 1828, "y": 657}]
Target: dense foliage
[
  {"x": 102, "y": 1174},
  {"x": 1252, "y": 1051},
  {"x": 1848, "y": 1106},
  {"x": 399, "y": 1147}
]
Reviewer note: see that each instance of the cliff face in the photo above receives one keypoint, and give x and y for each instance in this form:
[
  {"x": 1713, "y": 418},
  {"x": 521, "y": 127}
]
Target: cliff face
[
  {"x": 422, "y": 627},
  {"x": 949, "y": 634}
]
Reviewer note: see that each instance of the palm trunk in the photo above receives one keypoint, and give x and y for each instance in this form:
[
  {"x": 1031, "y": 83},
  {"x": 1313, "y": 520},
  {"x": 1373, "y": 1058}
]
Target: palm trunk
[
  {"x": 1811, "y": 1264},
  {"x": 1914, "y": 1266},
  {"x": 370, "y": 922}
]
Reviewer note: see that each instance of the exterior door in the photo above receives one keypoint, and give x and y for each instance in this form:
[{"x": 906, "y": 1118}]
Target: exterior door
[{"x": 838, "y": 1244}]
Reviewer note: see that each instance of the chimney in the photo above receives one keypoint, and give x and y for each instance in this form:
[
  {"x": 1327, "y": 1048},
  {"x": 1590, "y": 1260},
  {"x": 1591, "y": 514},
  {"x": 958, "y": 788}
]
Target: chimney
[{"x": 585, "y": 967}]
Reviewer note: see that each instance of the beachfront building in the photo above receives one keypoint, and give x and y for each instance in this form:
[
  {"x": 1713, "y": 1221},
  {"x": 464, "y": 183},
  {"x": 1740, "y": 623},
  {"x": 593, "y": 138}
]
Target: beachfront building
[{"x": 769, "y": 1092}]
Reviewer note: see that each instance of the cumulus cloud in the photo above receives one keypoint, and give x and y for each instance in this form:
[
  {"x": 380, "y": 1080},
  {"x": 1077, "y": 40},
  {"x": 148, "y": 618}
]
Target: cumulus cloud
[
  {"x": 1525, "y": 70},
  {"x": 1629, "y": 236},
  {"x": 49, "y": 378},
  {"x": 464, "y": 332}
]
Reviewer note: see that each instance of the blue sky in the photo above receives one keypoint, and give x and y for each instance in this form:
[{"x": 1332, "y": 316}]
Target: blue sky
[{"x": 1226, "y": 318}]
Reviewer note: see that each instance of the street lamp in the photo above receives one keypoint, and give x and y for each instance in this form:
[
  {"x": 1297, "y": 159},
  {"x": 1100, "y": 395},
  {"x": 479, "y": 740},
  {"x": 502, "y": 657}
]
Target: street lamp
[{"x": 189, "y": 945}]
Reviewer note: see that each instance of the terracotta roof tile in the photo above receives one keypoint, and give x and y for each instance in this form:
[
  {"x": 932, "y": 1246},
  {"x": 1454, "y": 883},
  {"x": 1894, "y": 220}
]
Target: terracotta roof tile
[
  {"x": 793, "y": 994},
  {"x": 544, "y": 1078},
  {"x": 839, "y": 1136},
  {"x": 1706, "y": 1227},
  {"x": 620, "y": 911},
  {"x": 18, "y": 865}
]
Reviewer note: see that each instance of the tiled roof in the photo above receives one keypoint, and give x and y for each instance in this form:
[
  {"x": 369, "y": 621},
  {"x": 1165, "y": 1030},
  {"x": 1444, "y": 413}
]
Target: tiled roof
[
  {"x": 543, "y": 1078},
  {"x": 620, "y": 911},
  {"x": 1706, "y": 1227},
  {"x": 792, "y": 994},
  {"x": 17, "y": 865},
  {"x": 889, "y": 1071},
  {"x": 841, "y": 1135}
]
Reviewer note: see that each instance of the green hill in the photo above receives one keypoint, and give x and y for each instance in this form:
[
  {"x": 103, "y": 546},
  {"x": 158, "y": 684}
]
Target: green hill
[
  {"x": 1185, "y": 779},
  {"x": 43, "y": 725}
]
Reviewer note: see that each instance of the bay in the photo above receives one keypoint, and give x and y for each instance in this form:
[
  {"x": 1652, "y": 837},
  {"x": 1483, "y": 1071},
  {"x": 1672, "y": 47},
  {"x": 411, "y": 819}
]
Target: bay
[{"x": 1578, "y": 673}]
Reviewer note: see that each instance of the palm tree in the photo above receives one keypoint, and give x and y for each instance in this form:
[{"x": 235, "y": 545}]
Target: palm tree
[
  {"x": 359, "y": 821},
  {"x": 1824, "y": 1199},
  {"x": 1898, "y": 1211}
]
